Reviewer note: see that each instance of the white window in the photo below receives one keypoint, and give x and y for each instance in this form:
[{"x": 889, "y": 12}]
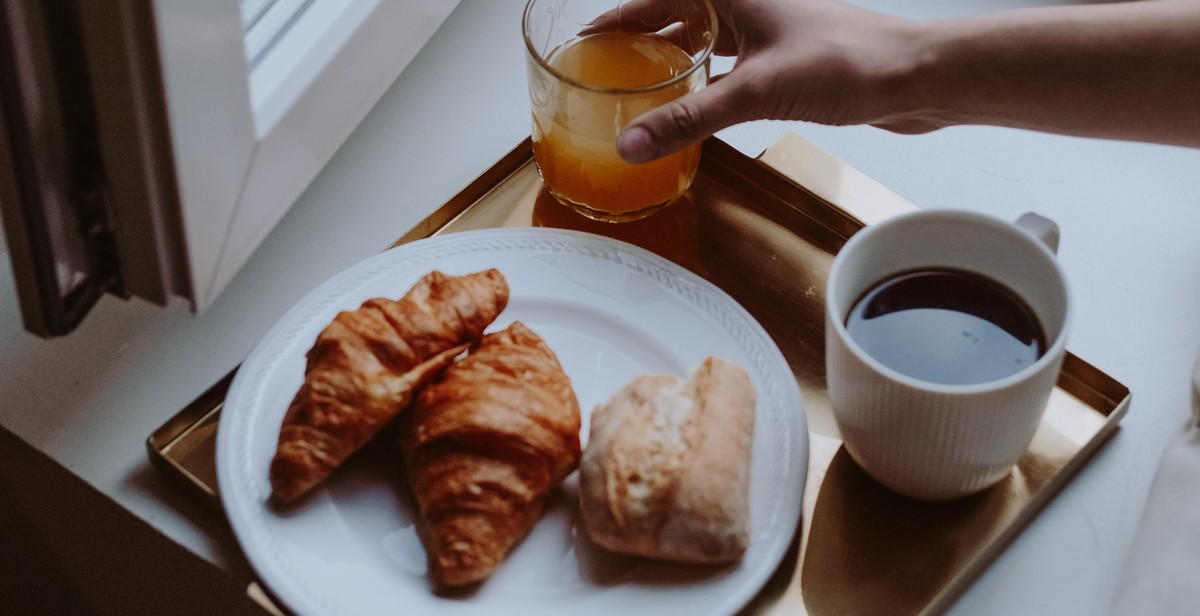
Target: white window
[
  {"x": 147, "y": 147},
  {"x": 260, "y": 96}
]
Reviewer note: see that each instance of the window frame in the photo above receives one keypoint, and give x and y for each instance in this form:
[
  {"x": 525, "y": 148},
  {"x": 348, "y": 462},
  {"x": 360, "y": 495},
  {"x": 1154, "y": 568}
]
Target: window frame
[{"x": 246, "y": 143}]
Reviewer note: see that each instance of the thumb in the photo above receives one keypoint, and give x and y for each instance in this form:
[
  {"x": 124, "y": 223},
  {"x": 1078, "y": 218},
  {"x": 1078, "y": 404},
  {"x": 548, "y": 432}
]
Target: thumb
[{"x": 680, "y": 123}]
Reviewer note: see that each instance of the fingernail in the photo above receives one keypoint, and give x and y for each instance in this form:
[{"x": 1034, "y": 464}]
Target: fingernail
[{"x": 635, "y": 145}]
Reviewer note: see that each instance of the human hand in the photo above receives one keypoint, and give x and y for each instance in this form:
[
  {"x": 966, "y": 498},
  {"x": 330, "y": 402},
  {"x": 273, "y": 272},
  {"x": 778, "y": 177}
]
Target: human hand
[{"x": 815, "y": 60}]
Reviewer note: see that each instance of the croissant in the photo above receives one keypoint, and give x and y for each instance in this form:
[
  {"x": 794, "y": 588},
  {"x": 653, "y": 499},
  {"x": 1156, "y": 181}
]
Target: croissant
[
  {"x": 484, "y": 448},
  {"x": 366, "y": 365}
]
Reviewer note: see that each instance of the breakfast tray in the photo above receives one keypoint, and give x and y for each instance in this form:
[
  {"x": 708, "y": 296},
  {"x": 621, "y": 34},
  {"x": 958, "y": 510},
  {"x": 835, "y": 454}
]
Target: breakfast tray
[{"x": 765, "y": 230}]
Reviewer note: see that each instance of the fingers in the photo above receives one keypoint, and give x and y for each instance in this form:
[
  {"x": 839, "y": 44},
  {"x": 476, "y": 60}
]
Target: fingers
[
  {"x": 663, "y": 18},
  {"x": 682, "y": 122},
  {"x": 635, "y": 16}
]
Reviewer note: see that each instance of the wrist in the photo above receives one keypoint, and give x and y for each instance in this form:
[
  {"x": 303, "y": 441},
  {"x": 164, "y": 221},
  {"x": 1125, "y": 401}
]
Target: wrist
[
  {"x": 1109, "y": 71},
  {"x": 915, "y": 86}
]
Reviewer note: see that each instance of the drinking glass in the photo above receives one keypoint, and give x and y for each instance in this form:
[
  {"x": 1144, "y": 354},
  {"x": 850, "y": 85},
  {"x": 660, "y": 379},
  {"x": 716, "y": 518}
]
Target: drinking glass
[{"x": 595, "y": 65}]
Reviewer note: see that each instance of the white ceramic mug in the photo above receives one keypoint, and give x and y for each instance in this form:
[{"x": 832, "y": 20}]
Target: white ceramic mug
[{"x": 931, "y": 440}]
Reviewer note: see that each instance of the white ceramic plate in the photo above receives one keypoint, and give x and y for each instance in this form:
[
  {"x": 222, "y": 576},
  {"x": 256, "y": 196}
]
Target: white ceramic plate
[{"x": 610, "y": 311}]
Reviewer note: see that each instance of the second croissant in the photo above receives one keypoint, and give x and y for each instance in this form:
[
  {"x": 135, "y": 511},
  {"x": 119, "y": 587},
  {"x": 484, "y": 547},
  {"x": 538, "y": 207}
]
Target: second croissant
[{"x": 484, "y": 448}]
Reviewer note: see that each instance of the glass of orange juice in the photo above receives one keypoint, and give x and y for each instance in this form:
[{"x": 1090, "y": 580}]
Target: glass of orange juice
[{"x": 595, "y": 65}]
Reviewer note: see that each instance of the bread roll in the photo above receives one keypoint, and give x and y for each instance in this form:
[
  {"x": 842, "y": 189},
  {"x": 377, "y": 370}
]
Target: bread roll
[{"x": 666, "y": 471}]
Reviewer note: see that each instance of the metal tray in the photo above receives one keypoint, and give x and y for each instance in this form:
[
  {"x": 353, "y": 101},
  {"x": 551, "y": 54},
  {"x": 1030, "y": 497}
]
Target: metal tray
[{"x": 766, "y": 230}]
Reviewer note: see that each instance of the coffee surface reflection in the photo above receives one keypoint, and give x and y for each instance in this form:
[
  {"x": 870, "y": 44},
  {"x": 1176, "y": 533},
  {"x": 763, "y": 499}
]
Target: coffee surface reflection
[{"x": 947, "y": 326}]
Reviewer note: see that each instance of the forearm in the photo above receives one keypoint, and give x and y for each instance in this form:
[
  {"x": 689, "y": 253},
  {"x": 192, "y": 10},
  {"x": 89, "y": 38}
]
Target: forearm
[{"x": 1124, "y": 71}]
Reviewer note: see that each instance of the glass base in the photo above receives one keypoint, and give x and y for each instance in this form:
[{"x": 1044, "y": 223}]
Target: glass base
[{"x": 603, "y": 216}]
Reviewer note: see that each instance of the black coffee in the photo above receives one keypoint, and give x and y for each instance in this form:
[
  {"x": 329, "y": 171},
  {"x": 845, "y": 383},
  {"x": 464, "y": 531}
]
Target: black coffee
[{"x": 947, "y": 326}]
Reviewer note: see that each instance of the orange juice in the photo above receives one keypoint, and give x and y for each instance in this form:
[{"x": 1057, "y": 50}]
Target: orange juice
[{"x": 604, "y": 81}]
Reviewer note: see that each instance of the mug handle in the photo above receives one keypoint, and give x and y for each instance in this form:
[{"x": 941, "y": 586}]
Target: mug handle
[{"x": 1040, "y": 227}]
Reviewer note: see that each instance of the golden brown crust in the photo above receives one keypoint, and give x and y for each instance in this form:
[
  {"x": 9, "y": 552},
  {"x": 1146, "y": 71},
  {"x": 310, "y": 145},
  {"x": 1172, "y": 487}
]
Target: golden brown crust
[
  {"x": 484, "y": 448},
  {"x": 366, "y": 365},
  {"x": 667, "y": 468}
]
